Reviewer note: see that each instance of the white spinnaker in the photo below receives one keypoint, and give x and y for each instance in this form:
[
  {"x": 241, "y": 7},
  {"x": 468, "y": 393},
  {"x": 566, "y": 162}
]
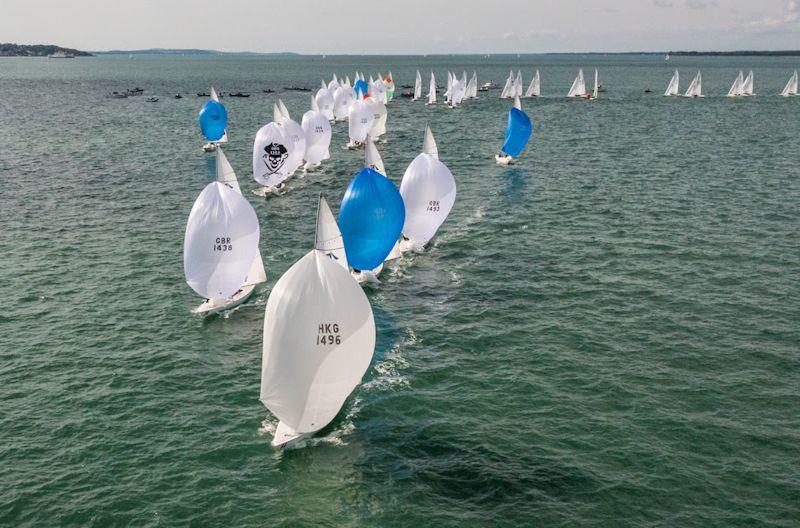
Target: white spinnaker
[
  {"x": 319, "y": 338},
  {"x": 328, "y": 237},
  {"x": 221, "y": 241},
  {"x": 317, "y": 130},
  {"x": 372, "y": 158},
  {"x": 457, "y": 91},
  {"x": 791, "y": 86},
  {"x": 324, "y": 100},
  {"x": 295, "y": 133},
  {"x": 271, "y": 150},
  {"x": 417, "y": 86},
  {"x": 225, "y": 174},
  {"x": 342, "y": 98},
  {"x": 359, "y": 117},
  {"x": 696, "y": 87},
  {"x": 429, "y": 191},
  {"x": 432, "y": 90},
  {"x": 673, "y": 87},
  {"x": 429, "y": 144},
  {"x": 736, "y": 87},
  {"x": 377, "y": 90},
  {"x": 379, "y": 116},
  {"x": 747, "y": 85},
  {"x": 333, "y": 84}
]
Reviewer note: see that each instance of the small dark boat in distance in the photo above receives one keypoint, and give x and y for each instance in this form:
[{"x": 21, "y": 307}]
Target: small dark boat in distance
[
  {"x": 152, "y": 99},
  {"x": 296, "y": 89},
  {"x": 406, "y": 93},
  {"x": 406, "y": 86},
  {"x": 202, "y": 94},
  {"x": 239, "y": 94},
  {"x": 268, "y": 90},
  {"x": 178, "y": 96}
]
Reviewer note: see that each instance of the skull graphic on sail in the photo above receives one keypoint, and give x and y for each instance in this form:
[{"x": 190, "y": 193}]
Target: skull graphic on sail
[{"x": 274, "y": 157}]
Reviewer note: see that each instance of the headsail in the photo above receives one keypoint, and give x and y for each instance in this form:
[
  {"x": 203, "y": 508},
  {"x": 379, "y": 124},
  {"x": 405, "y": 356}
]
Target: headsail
[
  {"x": 328, "y": 238},
  {"x": 673, "y": 87}
]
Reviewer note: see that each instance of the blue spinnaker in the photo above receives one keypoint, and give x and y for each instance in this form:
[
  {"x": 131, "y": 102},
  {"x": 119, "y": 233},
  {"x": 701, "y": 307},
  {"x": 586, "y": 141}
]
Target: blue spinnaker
[
  {"x": 361, "y": 87},
  {"x": 518, "y": 132},
  {"x": 213, "y": 120},
  {"x": 371, "y": 219}
]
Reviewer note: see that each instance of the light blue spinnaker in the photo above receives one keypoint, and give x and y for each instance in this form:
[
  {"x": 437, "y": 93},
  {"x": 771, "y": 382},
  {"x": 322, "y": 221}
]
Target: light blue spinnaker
[
  {"x": 371, "y": 219},
  {"x": 518, "y": 132}
]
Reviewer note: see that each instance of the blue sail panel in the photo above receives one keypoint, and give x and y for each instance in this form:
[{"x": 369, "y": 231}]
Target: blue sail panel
[
  {"x": 371, "y": 219},
  {"x": 213, "y": 120},
  {"x": 518, "y": 132},
  {"x": 361, "y": 87}
]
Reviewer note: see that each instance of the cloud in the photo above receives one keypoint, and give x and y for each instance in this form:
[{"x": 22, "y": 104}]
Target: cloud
[
  {"x": 790, "y": 17},
  {"x": 700, "y": 4},
  {"x": 663, "y": 3}
]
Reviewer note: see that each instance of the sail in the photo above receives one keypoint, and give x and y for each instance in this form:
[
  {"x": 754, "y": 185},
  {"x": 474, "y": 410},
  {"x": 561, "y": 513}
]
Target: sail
[
  {"x": 379, "y": 116},
  {"x": 596, "y": 90},
  {"x": 295, "y": 134},
  {"x": 429, "y": 144},
  {"x": 747, "y": 85},
  {"x": 226, "y": 175},
  {"x": 213, "y": 120},
  {"x": 791, "y": 86},
  {"x": 530, "y": 92},
  {"x": 319, "y": 337},
  {"x": 695, "y": 88},
  {"x": 221, "y": 240},
  {"x": 418, "y": 86},
  {"x": 372, "y": 158},
  {"x": 359, "y": 118},
  {"x": 317, "y": 132},
  {"x": 432, "y": 90},
  {"x": 328, "y": 239},
  {"x": 429, "y": 191},
  {"x": 342, "y": 97},
  {"x": 214, "y": 96},
  {"x": 518, "y": 132},
  {"x": 271, "y": 150},
  {"x": 736, "y": 87},
  {"x": 508, "y": 88},
  {"x": 371, "y": 219},
  {"x": 673, "y": 87},
  {"x": 457, "y": 92},
  {"x": 324, "y": 100},
  {"x": 518, "y": 84},
  {"x": 578, "y": 88}
]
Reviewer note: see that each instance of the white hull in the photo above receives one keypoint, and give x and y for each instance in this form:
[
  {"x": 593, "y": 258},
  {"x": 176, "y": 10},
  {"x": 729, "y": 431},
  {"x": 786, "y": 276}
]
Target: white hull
[
  {"x": 285, "y": 436},
  {"x": 209, "y": 147},
  {"x": 409, "y": 246},
  {"x": 213, "y": 306},
  {"x": 368, "y": 276},
  {"x": 503, "y": 160}
]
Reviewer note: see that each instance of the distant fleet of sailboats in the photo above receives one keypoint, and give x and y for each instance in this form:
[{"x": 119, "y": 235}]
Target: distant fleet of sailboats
[{"x": 319, "y": 330}]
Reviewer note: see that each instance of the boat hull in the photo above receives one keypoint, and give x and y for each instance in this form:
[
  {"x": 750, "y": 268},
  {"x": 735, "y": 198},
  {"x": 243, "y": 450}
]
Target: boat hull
[
  {"x": 214, "y": 306},
  {"x": 285, "y": 436}
]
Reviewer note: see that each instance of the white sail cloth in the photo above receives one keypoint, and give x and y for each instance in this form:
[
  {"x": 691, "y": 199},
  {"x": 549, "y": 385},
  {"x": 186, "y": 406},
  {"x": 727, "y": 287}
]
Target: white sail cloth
[
  {"x": 319, "y": 337},
  {"x": 271, "y": 150},
  {"x": 359, "y": 117},
  {"x": 329, "y": 239},
  {"x": 342, "y": 98},
  {"x": 317, "y": 131},
  {"x": 221, "y": 241},
  {"x": 429, "y": 191},
  {"x": 324, "y": 99}
]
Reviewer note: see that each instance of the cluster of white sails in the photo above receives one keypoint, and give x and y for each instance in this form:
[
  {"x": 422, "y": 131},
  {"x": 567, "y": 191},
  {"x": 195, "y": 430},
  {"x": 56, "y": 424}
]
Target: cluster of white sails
[
  {"x": 457, "y": 91},
  {"x": 513, "y": 86},
  {"x": 742, "y": 86}
]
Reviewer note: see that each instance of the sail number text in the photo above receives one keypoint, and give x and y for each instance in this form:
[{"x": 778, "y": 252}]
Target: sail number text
[
  {"x": 328, "y": 334},
  {"x": 433, "y": 205},
  {"x": 222, "y": 244}
]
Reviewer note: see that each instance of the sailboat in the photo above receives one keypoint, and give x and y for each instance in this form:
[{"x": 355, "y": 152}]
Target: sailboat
[
  {"x": 736, "y": 87},
  {"x": 696, "y": 87},
  {"x": 373, "y": 160},
  {"x": 317, "y": 130},
  {"x": 255, "y": 274},
  {"x": 518, "y": 132},
  {"x": 472, "y": 86},
  {"x": 518, "y": 85},
  {"x": 319, "y": 338},
  {"x": 342, "y": 98},
  {"x": 791, "y": 86},
  {"x": 428, "y": 189},
  {"x": 578, "y": 88},
  {"x": 432, "y": 91},
  {"x": 324, "y": 102},
  {"x": 457, "y": 92},
  {"x": 534, "y": 88},
  {"x": 417, "y": 87},
  {"x": 295, "y": 133},
  {"x": 379, "y": 116},
  {"x": 271, "y": 150},
  {"x": 747, "y": 85},
  {"x": 596, "y": 90},
  {"x": 359, "y": 122},
  {"x": 212, "y": 118},
  {"x": 371, "y": 219},
  {"x": 673, "y": 88}
]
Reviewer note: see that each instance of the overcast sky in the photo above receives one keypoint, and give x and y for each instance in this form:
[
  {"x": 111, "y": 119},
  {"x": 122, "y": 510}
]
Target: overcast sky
[{"x": 405, "y": 26}]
